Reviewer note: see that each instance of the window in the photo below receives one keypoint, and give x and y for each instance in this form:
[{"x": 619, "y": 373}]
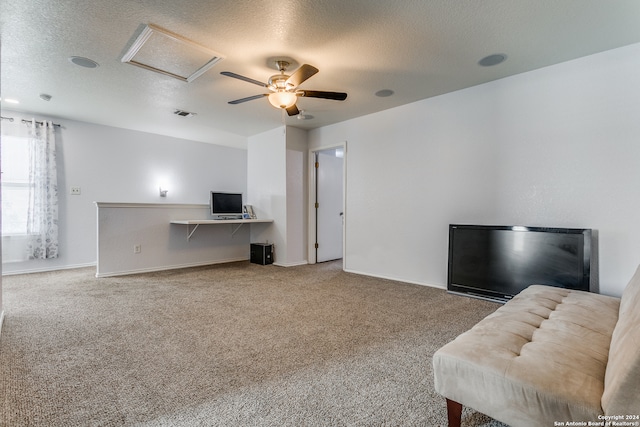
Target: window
[
  {"x": 29, "y": 191},
  {"x": 15, "y": 184}
]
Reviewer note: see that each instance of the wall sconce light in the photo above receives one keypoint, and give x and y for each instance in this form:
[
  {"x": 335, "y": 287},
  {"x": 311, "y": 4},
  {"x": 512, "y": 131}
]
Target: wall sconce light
[{"x": 163, "y": 193}]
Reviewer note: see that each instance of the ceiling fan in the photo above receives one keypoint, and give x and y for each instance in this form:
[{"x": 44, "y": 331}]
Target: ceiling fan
[{"x": 284, "y": 88}]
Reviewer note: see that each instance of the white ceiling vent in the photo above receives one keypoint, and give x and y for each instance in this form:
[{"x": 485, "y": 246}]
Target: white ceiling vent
[
  {"x": 183, "y": 113},
  {"x": 164, "y": 52}
]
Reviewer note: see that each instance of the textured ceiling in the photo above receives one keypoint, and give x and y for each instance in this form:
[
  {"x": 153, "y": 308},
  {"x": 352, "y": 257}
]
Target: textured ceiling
[{"x": 417, "y": 48}]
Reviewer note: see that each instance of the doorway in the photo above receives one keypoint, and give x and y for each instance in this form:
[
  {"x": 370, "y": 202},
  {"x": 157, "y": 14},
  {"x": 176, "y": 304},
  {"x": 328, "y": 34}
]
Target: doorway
[{"x": 329, "y": 204}]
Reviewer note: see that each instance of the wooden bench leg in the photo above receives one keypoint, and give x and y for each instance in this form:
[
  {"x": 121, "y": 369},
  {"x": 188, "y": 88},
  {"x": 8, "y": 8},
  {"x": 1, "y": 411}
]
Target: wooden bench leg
[{"x": 454, "y": 413}]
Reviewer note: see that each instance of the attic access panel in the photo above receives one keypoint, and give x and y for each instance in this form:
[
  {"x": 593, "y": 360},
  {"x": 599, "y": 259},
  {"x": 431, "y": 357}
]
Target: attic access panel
[{"x": 164, "y": 52}]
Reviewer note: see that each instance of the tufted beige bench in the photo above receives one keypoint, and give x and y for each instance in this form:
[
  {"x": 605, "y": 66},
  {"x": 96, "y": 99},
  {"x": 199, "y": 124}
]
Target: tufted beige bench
[{"x": 548, "y": 357}]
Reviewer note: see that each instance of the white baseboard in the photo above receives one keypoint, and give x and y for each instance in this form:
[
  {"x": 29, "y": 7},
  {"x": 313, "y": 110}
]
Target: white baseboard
[
  {"x": 1, "y": 320},
  {"x": 395, "y": 279},
  {"x": 167, "y": 267},
  {"x": 291, "y": 264},
  {"x": 47, "y": 269}
]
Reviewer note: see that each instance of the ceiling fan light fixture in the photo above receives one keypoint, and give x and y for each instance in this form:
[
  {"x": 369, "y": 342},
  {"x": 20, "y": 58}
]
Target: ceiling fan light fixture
[
  {"x": 279, "y": 82},
  {"x": 282, "y": 100}
]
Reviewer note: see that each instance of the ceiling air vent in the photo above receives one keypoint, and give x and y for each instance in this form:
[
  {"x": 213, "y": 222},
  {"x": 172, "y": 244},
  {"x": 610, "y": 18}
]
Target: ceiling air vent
[
  {"x": 164, "y": 52},
  {"x": 183, "y": 113}
]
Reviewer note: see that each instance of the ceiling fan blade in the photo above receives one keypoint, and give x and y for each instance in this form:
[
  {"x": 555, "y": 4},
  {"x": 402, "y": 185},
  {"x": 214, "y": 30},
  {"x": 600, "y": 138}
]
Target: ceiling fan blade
[
  {"x": 246, "y": 79},
  {"x": 293, "y": 110},
  {"x": 337, "y": 96},
  {"x": 301, "y": 74},
  {"x": 248, "y": 98}
]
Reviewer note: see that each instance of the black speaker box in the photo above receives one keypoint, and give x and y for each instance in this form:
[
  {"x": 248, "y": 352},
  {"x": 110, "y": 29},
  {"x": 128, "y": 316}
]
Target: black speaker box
[{"x": 262, "y": 253}]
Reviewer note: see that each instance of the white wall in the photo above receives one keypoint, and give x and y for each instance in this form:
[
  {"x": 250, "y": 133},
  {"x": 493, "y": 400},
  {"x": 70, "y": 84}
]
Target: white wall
[
  {"x": 297, "y": 156},
  {"x": 267, "y": 187},
  {"x": 277, "y": 187},
  {"x": 557, "y": 146},
  {"x": 1, "y": 306},
  {"x": 121, "y": 226},
  {"x": 118, "y": 165}
]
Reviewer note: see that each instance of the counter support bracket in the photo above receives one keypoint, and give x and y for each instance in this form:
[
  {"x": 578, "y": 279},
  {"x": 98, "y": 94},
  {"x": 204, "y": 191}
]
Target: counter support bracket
[
  {"x": 235, "y": 229},
  {"x": 190, "y": 233}
]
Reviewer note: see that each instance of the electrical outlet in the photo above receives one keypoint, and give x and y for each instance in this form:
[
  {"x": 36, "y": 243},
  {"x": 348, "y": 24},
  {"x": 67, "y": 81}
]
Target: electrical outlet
[
  {"x": 75, "y": 191},
  {"x": 137, "y": 249}
]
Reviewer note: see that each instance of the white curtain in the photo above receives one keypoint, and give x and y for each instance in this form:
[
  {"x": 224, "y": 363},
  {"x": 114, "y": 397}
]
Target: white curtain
[{"x": 42, "y": 215}]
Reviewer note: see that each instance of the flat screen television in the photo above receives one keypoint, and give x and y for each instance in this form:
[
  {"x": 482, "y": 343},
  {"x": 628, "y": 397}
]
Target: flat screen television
[
  {"x": 226, "y": 205},
  {"x": 497, "y": 262}
]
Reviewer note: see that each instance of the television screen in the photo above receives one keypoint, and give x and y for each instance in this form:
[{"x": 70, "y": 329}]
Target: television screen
[
  {"x": 497, "y": 262},
  {"x": 226, "y": 204}
]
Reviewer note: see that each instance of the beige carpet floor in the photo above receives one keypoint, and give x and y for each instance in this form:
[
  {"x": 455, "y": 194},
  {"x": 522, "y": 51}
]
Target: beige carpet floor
[{"x": 229, "y": 345}]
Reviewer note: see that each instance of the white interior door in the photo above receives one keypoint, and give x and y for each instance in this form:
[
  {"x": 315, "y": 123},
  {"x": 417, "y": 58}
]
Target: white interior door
[{"x": 330, "y": 209}]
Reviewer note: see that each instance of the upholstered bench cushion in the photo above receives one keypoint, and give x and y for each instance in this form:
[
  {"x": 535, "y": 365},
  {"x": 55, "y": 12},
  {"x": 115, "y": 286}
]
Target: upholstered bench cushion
[{"x": 539, "y": 358}]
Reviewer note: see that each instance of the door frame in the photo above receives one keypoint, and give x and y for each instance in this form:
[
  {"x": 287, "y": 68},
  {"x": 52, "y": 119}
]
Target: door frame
[{"x": 311, "y": 252}]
